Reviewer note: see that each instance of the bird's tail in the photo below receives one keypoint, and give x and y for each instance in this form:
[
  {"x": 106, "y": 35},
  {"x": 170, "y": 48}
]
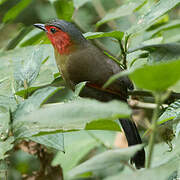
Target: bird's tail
[{"x": 133, "y": 138}]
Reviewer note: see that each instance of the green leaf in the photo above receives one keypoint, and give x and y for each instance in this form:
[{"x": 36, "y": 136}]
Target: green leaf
[
  {"x": 32, "y": 57},
  {"x": 44, "y": 78},
  {"x": 8, "y": 102},
  {"x": 78, "y": 88},
  {"x": 170, "y": 113},
  {"x": 176, "y": 87},
  {"x": 34, "y": 38},
  {"x": 115, "y": 34},
  {"x": 55, "y": 141},
  {"x": 4, "y": 121},
  {"x": 171, "y": 35},
  {"x": 157, "y": 77},
  {"x": 7, "y": 105},
  {"x": 6, "y": 76},
  {"x": 172, "y": 24},
  {"x": 27, "y": 70},
  {"x": 6, "y": 146},
  {"x": 34, "y": 102},
  {"x": 115, "y": 77},
  {"x": 161, "y": 52},
  {"x": 79, "y": 3},
  {"x": 16, "y": 10},
  {"x": 57, "y": 118},
  {"x": 64, "y": 9},
  {"x": 14, "y": 42},
  {"x": 103, "y": 125},
  {"x": 105, "y": 160},
  {"x": 2, "y": 1},
  {"x": 157, "y": 10},
  {"x": 178, "y": 130},
  {"x": 3, "y": 169},
  {"x": 161, "y": 172},
  {"x": 121, "y": 11},
  {"x": 77, "y": 145}
]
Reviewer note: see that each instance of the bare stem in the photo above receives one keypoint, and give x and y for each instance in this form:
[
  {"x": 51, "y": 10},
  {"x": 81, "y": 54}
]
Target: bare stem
[
  {"x": 123, "y": 52},
  {"x": 154, "y": 129},
  {"x": 26, "y": 89},
  {"x": 149, "y": 94},
  {"x": 101, "y": 12}
]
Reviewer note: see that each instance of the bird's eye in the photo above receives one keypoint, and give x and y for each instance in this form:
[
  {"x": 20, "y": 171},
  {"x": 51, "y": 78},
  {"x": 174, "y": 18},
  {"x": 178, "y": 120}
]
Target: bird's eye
[{"x": 53, "y": 30}]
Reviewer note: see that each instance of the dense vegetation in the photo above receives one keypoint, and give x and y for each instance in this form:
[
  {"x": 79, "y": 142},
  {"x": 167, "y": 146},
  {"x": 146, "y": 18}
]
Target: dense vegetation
[{"x": 49, "y": 132}]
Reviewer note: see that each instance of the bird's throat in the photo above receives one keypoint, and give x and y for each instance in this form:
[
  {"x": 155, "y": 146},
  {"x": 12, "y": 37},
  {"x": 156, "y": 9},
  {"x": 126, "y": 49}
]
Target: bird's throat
[{"x": 61, "y": 42}]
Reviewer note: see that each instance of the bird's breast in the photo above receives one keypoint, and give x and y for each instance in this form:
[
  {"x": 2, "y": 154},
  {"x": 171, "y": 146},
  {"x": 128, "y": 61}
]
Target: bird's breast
[{"x": 62, "y": 64}]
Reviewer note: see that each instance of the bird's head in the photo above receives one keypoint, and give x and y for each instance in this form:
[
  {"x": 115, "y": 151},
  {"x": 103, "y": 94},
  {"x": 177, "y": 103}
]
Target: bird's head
[{"x": 64, "y": 36}]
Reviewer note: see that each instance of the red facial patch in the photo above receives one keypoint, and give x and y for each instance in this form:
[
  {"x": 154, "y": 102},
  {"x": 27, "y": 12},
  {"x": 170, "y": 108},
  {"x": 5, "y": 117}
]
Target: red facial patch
[{"x": 59, "y": 39}]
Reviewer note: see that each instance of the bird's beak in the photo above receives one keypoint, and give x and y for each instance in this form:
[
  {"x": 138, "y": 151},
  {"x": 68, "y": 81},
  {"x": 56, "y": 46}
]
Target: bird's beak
[{"x": 41, "y": 26}]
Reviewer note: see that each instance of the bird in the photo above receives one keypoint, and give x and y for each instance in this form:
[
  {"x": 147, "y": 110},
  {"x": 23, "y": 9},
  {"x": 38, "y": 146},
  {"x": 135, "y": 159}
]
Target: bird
[{"x": 78, "y": 60}]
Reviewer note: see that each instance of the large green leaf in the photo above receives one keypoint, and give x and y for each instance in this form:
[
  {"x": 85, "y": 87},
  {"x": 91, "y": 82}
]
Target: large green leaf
[
  {"x": 6, "y": 146},
  {"x": 105, "y": 160},
  {"x": 77, "y": 145},
  {"x": 3, "y": 169},
  {"x": 34, "y": 37},
  {"x": 165, "y": 164},
  {"x": 55, "y": 141},
  {"x": 44, "y": 78},
  {"x": 115, "y": 34},
  {"x": 70, "y": 116},
  {"x": 162, "y": 172},
  {"x": 176, "y": 87},
  {"x": 64, "y": 9},
  {"x": 31, "y": 104},
  {"x": 25, "y": 64},
  {"x": 16, "y": 10},
  {"x": 171, "y": 112},
  {"x": 156, "y": 11},
  {"x": 14, "y": 42},
  {"x": 2, "y": 1},
  {"x": 157, "y": 77},
  {"x": 6, "y": 75},
  {"x": 4, "y": 121},
  {"x": 34, "y": 102},
  {"x": 121, "y": 11},
  {"x": 161, "y": 52},
  {"x": 170, "y": 25},
  {"x": 27, "y": 69},
  {"x": 7, "y": 105}
]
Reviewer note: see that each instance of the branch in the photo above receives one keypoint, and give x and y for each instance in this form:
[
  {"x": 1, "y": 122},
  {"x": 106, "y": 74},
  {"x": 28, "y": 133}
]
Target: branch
[
  {"x": 154, "y": 129},
  {"x": 149, "y": 94},
  {"x": 101, "y": 12},
  {"x": 138, "y": 104}
]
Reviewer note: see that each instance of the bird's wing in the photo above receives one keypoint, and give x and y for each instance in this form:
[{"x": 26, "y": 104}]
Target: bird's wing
[{"x": 91, "y": 65}]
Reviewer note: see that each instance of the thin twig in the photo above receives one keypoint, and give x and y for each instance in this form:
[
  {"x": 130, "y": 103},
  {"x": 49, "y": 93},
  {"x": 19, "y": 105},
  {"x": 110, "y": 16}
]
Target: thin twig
[
  {"x": 113, "y": 58},
  {"x": 101, "y": 12},
  {"x": 26, "y": 89},
  {"x": 154, "y": 128},
  {"x": 123, "y": 54},
  {"x": 143, "y": 105},
  {"x": 149, "y": 94}
]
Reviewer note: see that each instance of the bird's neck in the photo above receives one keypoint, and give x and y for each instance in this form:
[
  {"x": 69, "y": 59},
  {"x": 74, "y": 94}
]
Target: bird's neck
[{"x": 62, "y": 43}]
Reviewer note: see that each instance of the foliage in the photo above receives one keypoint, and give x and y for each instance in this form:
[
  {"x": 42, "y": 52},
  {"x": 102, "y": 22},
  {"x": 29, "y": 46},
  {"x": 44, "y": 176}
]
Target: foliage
[{"x": 36, "y": 106}]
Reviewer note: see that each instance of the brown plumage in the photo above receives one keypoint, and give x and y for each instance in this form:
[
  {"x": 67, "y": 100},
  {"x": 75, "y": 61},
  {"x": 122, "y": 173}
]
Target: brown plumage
[{"x": 78, "y": 60}]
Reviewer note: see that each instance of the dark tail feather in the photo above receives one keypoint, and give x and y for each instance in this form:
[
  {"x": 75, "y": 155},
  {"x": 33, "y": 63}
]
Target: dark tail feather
[{"x": 133, "y": 138}]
